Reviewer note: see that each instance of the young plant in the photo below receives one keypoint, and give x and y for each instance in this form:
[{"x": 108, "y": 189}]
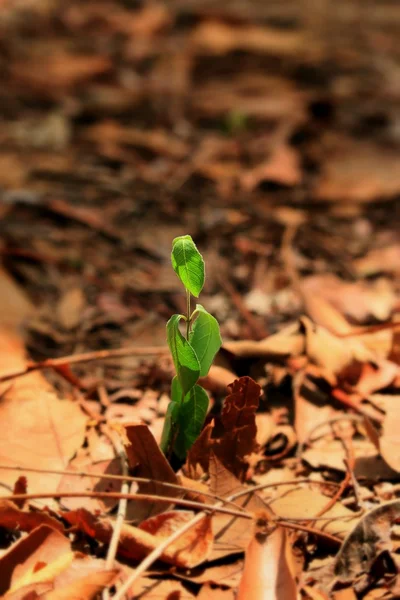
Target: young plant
[{"x": 192, "y": 353}]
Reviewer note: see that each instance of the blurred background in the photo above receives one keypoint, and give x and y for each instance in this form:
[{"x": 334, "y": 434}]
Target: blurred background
[{"x": 268, "y": 130}]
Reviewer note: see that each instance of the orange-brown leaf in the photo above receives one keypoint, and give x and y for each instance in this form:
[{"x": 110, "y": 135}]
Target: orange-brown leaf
[{"x": 233, "y": 436}]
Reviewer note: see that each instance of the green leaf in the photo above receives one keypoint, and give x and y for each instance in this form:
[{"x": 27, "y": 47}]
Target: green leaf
[
  {"x": 172, "y": 415},
  {"x": 191, "y": 417},
  {"x": 188, "y": 264},
  {"x": 185, "y": 360},
  {"x": 205, "y": 339}
]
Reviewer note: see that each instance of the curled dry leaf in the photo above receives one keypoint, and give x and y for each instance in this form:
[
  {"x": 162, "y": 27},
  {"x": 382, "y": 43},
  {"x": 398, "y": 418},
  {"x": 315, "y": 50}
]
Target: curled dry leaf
[
  {"x": 12, "y": 517},
  {"x": 190, "y": 550},
  {"x": 266, "y": 573},
  {"x": 233, "y": 436},
  {"x": 146, "y": 460}
]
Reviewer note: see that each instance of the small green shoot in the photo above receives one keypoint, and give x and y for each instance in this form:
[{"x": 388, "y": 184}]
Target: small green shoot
[{"x": 192, "y": 353}]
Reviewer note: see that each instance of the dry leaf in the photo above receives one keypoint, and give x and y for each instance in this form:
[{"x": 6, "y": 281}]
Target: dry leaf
[
  {"x": 15, "y": 306},
  {"x": 86, "y": 587},
  {"x": 70, "y": 308},
  {"x": 305, "y": 503},
  {"x": 41, "y": 429},
  {"x": 146, "y": 460},
  {"x": 233, "y": 437},
  {"x": 191, "y": 549},
  {"x": 72, "y": 483},
  {"x": 390, "y": 440},
  {"x": 12, "y": 517},
  {"x": 266, "y": 574},
  {"x": 43, "y": 545},
  {"x": 359, "y": 172},
  {"x": 231, "y": 534},
  {"x": 217, "y": 574},
  {"x": 367, "y": 539},
  {"x": 147, "y": 588}
]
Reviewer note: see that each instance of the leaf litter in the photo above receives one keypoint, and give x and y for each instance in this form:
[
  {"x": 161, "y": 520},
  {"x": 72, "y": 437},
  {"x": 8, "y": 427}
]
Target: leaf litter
[{"x": 246, "y": 125}]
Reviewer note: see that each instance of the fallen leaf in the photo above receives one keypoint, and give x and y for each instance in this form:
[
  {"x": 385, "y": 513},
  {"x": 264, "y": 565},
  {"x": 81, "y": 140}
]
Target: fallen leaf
[
  {"x": 234, "y": 435},
  {"x": 72, "y": 483},
  {"x": 12, "y": 517},
  {"x": 15, "y": 306},
  {"x": 366, "y": 540},
  {"x": 70, "y": 308},
  {"x": 41, "y": 429},
  {"x": 212, "y": 593},
  {"x": 43, "y": 545},
  {"x": 86, "y": 587},
  {"x": 287, "y": 342},
  {"x": 146, "y": 460},
  {"x": 283, "y": 167},
  {"x": 217, "y": 574},
  {"x": 231, "y": 534},
  {"x": 191, "y": 549},
  {"x": 147, "y": 588},
  {"x": 305, "y": 503},
  {"x": 266, "y": 573},
  {"x": 390, "y": 441},
  {"x": 359, "y": 172}
]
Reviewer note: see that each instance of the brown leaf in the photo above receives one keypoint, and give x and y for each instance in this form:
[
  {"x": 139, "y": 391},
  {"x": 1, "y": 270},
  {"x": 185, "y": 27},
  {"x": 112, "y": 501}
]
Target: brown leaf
[
  {"x": 282, "y": 167},
  {"x": 70, "y": 308},
  {"x": 359, "y": 172},
  {"x": 86, "y": 587},
  {"x": 72, "y": 483},
  {"x": 12, "y": 517},
  {"x": 218, "y": 574},
  {"x": 191, "y": 549},
  {"x": 147, "y": 588},
  {"x": 233, "y": 437},
  {"x": 64, "y": 71},
  {"x": 43, "y": 545},
  {"x": 39, "y": 428},
  {"x": 266, "y": 573},
  {"x": 390, "y": 439},
  {"x": 146, "y": 460},
  {"x": 287, "y": 342},
  {"x": 300, "y": 503},
  {"x": 20, "y": 487},
  {"x": 220, "y": 38},
  {"x": 15, "y": 306},
  {"x": 231, "y": 534},
  {"x": 370, "y": 536},
  {"x": 208, "y": 592},
  {"x": 311, "y": 406}
]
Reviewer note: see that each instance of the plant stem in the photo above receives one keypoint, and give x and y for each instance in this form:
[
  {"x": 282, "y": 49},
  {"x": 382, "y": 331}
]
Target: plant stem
[{"x": 187, "y": 314}]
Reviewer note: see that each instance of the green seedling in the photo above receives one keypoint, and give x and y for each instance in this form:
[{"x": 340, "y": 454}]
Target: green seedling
[{"x": 192, "y": 352}]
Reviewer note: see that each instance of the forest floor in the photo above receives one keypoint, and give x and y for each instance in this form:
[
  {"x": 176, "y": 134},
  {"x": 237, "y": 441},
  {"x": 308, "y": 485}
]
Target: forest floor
[{"x": 271, "y": 135}]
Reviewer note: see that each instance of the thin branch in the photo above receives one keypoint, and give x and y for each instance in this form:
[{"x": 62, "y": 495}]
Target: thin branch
[
  {"x": 145, "y": 497},
  {"x": 121, "y": 514},
  {"x": 174, "y": 486},
  {"x": 72, "y": 359}
]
